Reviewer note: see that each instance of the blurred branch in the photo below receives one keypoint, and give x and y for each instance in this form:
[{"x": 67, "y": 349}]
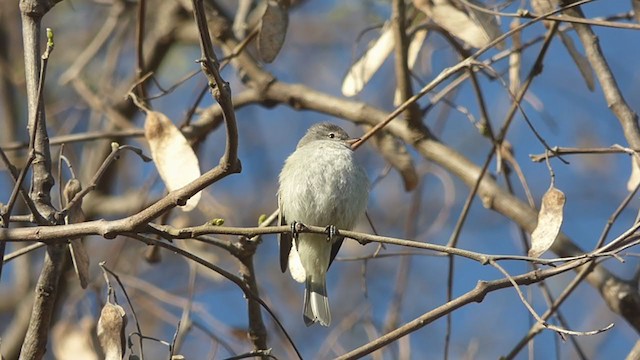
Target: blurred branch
[
  {"x": 401, "y": 43},
  {"x": 450, "y": 71},
  {"x": 635, "y": 352},
  {"x": 15, "y": 333},
  {"x": 140, "y": 89},
  {"x": 612, "y": 94},
  {"x": 79, "y": 137},
  {"x": 117, "y": 10}
]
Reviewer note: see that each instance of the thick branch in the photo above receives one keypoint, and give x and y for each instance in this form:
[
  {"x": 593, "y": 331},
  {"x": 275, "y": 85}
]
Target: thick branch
[
  {"x": 35, "y": 342},
  {"x": 403, "y": 77}
]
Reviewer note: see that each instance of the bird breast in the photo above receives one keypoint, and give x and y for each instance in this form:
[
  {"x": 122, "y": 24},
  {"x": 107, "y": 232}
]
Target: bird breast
[{"x": 324, "y": 190}]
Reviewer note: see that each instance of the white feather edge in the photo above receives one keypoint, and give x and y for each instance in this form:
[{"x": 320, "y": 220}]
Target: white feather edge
[{"x": 295, "y": 265}]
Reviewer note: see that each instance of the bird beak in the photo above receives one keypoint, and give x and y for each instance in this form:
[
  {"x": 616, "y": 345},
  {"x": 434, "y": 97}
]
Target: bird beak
[{"x": 353, "y": 141}]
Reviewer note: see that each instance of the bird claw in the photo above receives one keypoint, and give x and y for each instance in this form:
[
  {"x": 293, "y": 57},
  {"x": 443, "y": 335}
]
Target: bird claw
[
  {"x": 296, "y": 228},
  {"x": 331, "y": 232}
]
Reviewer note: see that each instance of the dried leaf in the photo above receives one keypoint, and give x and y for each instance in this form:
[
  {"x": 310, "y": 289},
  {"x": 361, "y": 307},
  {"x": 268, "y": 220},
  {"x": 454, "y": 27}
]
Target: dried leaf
[
  {"x": 111, "y": 325},
  {"x": 549, "y": 222},
  {"x": 174, "y": 158},
  {"x": 71, "y": 189},
  {"x": 361, "y": 72},
  {"x": 634, "y": 178},
  {"x": 273, "y": 29},
  {"x": 472, "y": 26},
  {"x": 79, "y": 254}
]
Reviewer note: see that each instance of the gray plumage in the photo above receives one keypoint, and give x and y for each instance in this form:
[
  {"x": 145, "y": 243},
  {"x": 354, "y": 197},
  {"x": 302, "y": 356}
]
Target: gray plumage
[{"x": 322, "y": 185}]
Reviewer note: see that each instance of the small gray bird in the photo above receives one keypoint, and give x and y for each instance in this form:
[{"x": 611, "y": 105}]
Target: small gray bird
[{"x": 320, "y": 184}]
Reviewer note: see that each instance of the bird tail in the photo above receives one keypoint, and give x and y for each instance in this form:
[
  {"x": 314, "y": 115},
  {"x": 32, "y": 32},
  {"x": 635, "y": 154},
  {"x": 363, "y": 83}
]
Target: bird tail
[{"x": 316, "y": 303}]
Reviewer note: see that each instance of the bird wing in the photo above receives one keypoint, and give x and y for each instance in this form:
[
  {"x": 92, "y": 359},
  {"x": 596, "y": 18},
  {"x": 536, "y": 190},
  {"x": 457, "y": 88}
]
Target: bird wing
[
  {"x": 334, "y": 249},
  {"x": 284, "y": 240}
]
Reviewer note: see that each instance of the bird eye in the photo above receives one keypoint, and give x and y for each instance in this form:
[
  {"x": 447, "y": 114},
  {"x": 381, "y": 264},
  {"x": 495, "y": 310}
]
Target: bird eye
[{"x": 332, "y": 135}]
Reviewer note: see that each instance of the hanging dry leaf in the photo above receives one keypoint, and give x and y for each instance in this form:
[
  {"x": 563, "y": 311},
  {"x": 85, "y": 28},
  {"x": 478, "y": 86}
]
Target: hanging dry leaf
[
  {"x": 111, "y": 325},
  {"x": 273, "y": 29},
  {"x": 634, "y": 178},
  {"x": 549, "y": 222},
  {"x": 79, "y": 254},
  {"x": 72, "y": 340},
  {"x": 361, "y": 72},
  {"x": 174, "y": 158},
  {"x": 472, "y": 26}
]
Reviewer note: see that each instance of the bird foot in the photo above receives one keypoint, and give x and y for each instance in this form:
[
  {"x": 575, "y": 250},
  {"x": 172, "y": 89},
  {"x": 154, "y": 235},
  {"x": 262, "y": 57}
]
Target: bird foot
[
  {"x": 296, "y": 228},
  {"x": 331, "y": 231}
]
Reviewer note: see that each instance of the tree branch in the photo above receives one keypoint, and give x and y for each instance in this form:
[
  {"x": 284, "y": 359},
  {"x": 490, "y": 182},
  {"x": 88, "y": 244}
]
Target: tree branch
[{"x": 35, "y": 342}]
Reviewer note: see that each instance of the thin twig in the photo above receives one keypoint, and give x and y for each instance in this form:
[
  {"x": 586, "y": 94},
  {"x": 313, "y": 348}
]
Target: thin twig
[{"x": 557, "y": 151}]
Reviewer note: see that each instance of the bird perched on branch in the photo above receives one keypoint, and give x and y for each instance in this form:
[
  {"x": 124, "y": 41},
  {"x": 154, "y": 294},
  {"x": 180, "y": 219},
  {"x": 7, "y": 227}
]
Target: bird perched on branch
[{"x": 320, "y": 184}]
